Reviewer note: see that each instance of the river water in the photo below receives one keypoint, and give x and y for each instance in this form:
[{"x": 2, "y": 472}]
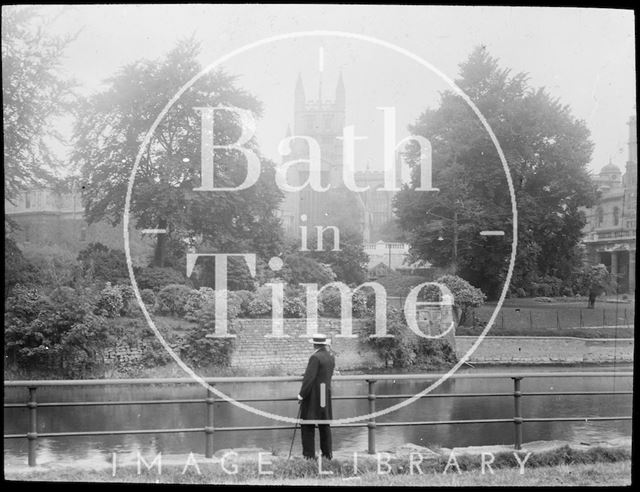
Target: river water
[{"x": 67, "y": 419}]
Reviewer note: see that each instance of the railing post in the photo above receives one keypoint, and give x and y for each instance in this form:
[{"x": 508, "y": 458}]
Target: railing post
[
  {"x": 517, "y": 414},
  {"x": 32, "y": 434},
  {"x": 372, "y": 421},
  {"x": 208, "y": 430}
]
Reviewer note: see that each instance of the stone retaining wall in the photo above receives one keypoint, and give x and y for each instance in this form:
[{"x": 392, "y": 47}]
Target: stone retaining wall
[
  {"x": 252, "y": 350},
  {"x": 122, "y": 353},
  {"x": 546, "y": 350}
]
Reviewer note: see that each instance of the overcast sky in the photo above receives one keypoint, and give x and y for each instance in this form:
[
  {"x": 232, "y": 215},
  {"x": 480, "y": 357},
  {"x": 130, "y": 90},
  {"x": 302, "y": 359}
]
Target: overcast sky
[{"x": 585, "y": 57}]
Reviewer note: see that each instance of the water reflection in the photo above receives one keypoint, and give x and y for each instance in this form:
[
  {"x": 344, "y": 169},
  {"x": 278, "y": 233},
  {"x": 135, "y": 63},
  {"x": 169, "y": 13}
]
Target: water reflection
[{"x": 428, "y": 409}]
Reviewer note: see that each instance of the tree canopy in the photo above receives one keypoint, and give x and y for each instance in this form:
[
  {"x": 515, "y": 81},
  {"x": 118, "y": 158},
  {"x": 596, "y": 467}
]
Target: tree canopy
[
  {"x": 547, "y": 151},
  {"x": 112, "y": 125},
  {"x": 350, "y": 263},
  {"x": 34, "y": 92}
]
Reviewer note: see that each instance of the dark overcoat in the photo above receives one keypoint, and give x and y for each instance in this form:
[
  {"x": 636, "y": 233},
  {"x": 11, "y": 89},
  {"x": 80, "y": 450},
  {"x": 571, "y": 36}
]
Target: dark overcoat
[{"x": 319, "y": 371}]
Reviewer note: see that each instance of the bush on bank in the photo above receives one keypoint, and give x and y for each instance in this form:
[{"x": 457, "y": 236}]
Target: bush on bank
[
  {"x": 70, "y": 329},
  {"x": 406, "y": 349}
]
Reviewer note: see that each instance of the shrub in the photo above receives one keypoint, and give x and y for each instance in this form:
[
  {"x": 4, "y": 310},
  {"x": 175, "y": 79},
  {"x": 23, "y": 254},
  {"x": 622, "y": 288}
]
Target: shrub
[
  {"x": 110, "y": 302},
  {"x": 17, "y": 269},
  {"x": 594, "y": 279},
  {"x": 54, "y": 265},
  {"x": 199, "y": 351},
  {"x": 299, "y": 268},
  {"x": 62, "y": 294},
  {"x": 206, "y": 315},
  {"x": 294, "y": 307},
  {"x": 103, "y": 263},
  {"x": 566, "y": 291},
  {"x": 245, "y": 297},
  {"x": 135, "y": 334},
  {"x": 465, "y": 295},
  {"x": 397, "y": 351},
  {"x": 156, "y": 278},
  {"x": 196, "y": 300},
  {"x": 434, "y": 352},
  {"x": 129, "y": 302},
  {"x": 406, "y": 349},
  {"x": 260, "y": 306},
  {"x": 82, "y": 346},
  {"x": 148, "y": 297},
  {"x": 55, "y": 333},
  {"x": 330, "y": 303},
  {"x": 172, "y": 299},
  {"x": 24, "y": 304}
]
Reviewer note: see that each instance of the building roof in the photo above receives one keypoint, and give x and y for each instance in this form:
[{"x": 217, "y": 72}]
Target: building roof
[{"x": 610, "y": 168}]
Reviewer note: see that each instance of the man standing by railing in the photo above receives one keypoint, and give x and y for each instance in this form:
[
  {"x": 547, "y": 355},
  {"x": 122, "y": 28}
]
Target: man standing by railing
[{"x": 315, "y": 398}]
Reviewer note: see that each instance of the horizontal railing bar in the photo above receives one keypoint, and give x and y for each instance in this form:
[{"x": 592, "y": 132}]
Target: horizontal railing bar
[
  {"x": 119, "y": 432},
  {"x": 106, "y": 403},
  {"x": 347, "y": 397},
  {"x": 446, "y": 422},
  {"x": 288, "y": 427},
  {"x": 265, "y": 379},
  {"x": 575, "y": 393},
  {"x": 573, "y": 419}
]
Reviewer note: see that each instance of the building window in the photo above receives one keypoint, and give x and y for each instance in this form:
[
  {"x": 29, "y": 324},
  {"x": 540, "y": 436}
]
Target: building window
[
  {"x": 599, "y": 216},
  {"x": 27, "y": 200},
  {"x": 616, "y": 215}
]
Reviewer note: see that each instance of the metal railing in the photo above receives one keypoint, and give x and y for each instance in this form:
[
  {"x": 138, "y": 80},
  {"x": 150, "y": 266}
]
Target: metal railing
[{"x": 209, "y": 429}]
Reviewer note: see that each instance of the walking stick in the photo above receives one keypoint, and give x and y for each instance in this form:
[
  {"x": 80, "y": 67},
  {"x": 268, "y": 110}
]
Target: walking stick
[{"x": 294, "y": 429}]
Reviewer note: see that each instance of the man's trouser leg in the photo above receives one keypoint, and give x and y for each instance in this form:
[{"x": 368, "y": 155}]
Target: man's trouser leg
[
  {"x": 307, "y": 432},
  {"x": 325, "y": 441}
]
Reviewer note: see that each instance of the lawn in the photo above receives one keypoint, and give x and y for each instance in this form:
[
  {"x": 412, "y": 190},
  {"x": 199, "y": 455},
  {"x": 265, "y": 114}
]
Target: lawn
[
  {"x": 557, "y": 318},
  {"x": 562, "y": 466}
]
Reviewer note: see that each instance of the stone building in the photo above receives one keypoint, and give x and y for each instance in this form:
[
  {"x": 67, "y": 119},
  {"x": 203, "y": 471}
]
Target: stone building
[
  {"x": 49, "y": 217},
  {"x": 324, "y": 121},
  {"x": 610, "y": 231}
]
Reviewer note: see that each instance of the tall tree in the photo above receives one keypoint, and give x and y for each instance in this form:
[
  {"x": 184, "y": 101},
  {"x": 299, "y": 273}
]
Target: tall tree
[
  {"x": 342, "y": 211},
  {"x": 111, "y": 127},
  {"x": 547, "y": 151},
  {"x": 34, "y": 93}
]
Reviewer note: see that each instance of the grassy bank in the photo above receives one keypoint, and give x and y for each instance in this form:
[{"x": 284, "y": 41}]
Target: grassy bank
[
  {"x": 520, "y": 331},
  {"x": 563, "y": 465},
  {"x": 605, "y": 474},
  {"x": 558, "y": 318}
]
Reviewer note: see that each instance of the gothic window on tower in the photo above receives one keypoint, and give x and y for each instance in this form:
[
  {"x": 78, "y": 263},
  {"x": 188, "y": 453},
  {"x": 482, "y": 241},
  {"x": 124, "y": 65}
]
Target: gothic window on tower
[
  {"x": 327, "y": 122},
  {"x": 616, "y": 215}
]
